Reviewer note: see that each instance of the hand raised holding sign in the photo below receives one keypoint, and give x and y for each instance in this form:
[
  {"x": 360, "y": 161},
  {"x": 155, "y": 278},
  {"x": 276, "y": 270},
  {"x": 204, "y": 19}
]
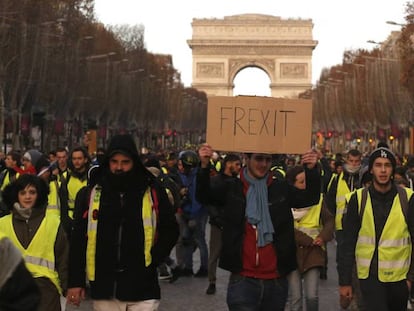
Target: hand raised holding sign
[
  {"x": 310, "y": 158},
  {"x": 205, "y": 152}
]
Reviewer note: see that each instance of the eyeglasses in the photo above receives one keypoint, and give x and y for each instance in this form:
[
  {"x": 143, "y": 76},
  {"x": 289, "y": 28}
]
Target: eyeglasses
[
  {"x": 262, "y": 158},
  {"x": 25, "y": 160}
]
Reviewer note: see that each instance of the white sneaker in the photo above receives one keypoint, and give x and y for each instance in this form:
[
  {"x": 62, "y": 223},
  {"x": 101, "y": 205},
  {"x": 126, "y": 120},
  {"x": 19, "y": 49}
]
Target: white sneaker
[{"x": 164, "y": 276}]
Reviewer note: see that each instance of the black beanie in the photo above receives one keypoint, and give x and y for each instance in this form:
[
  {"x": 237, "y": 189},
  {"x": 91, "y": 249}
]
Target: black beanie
[{"x": 382, "y": 152}]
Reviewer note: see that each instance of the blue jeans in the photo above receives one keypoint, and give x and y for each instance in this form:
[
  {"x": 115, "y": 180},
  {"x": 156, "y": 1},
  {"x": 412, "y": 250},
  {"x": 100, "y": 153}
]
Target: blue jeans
[
  {"x": 194, "y": 235},
  {"x": 249, "y": 294},
  {"x": 309, "y": 290}
]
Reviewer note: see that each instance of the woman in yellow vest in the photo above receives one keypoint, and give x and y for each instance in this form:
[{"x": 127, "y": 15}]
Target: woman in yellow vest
[
  {"x": 314, "y": 227},
  {"x": 39, "y": 237},
  {"x": 378, "y": 229}
]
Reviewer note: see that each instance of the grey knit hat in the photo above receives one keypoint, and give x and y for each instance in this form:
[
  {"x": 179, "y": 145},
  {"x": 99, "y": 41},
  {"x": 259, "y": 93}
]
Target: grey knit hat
[{"x": 32, "y": 155}]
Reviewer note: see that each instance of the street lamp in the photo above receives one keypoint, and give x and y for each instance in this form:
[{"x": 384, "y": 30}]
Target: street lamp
[
  {"x": 87, "y": 38},
  {"x": 100, "y": 56},
  {"x": 395, "y": 24},
  {"x": 374, "y": 42}
]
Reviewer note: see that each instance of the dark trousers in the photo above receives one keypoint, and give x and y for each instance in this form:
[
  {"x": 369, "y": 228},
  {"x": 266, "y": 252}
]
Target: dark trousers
[
  {"x": 339, "y": 237},
  {"x": 214, "y": 252},
  {"x": 379, "y": 296},
  {"x": 49, "y": 295},
  {"x": 249, "y": 294}
]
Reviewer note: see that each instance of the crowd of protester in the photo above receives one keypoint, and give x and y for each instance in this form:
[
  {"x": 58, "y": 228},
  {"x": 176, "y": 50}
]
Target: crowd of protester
[{"x": 270, "y": 219}]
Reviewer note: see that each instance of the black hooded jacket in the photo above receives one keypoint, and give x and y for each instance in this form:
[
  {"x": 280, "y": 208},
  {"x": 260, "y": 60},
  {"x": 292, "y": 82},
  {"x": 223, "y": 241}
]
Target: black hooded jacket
[{"x": 120, "y": 270}]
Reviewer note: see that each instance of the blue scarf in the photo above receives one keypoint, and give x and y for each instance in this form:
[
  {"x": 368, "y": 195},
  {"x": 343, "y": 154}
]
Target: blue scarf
[{"x": 257, "y": 208}]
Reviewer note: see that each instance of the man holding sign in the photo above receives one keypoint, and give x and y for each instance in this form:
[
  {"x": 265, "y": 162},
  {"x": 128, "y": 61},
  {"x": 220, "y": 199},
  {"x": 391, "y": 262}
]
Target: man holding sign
[{"x": 258, "y": 234}]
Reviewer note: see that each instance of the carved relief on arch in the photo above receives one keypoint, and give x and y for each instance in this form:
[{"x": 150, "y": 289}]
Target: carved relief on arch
[
  {"x": 293, "y": 70},
  {"x": 235, "y": 65},
  {"x": 210, "y": 70}
]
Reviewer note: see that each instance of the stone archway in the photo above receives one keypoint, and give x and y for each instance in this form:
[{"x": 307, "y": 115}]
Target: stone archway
[{"x": 281, "y": 47}]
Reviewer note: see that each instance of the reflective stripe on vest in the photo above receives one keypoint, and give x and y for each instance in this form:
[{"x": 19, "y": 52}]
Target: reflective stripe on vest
[
  {"x": 310, "y": 223},
  {"x": 149, "y": 220},
  {"x": 53, "y": 206},
  {"x": 341, "y": 191},
  {"x": 39, "y": 255},
  {"x": 394, "y": 245},
  {"x": 74, "y": 185}
]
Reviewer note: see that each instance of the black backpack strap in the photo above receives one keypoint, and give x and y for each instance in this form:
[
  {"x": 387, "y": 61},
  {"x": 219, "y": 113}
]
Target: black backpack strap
[
  {"x": 363, "y": 202},
  {"x": 403, "y": 200}
]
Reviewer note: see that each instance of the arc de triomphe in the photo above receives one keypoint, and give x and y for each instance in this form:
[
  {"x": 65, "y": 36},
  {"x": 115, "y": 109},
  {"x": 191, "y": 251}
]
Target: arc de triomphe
[{"x": 281, "y": 47}]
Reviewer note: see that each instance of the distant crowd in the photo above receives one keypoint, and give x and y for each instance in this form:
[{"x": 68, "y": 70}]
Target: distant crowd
[{"x": 103, "y": 225}]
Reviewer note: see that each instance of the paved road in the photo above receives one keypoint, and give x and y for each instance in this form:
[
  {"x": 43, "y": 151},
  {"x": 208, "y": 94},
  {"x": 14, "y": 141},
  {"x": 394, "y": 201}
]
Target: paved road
[{"x": 188, "y": 293}]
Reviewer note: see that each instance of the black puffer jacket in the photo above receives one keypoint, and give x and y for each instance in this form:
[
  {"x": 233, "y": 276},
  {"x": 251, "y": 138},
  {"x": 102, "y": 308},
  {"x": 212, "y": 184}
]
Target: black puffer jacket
[{"x": 120, "y": 263}]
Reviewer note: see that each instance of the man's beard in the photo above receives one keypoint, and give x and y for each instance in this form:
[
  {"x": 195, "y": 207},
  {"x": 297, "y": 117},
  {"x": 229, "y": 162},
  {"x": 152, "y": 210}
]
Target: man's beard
[
  {"x": 121, "y": 181},
  {"x": 352, "y": 169},
  {"x": 234, "y": 173}
]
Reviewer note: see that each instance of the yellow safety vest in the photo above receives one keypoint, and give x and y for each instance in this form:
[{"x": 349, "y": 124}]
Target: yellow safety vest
[
  {"x": 53, "y": 206},
  {"x": 347, "y": 198},
  {"x": 215, "y": 165},
  {"x": 74, "y": 185},
  {"x": 310, "y": 223},
  {"x": 331, "y": 180},
  {"x": 39, "y": 255},
  {"x": 279, "y": 170},
  {"x": 149, "y": 220},
  {"x": 7, "y": 180},
  {"x": 63, "y": 175},
  {"x": 394, "y": 245},
  {"x": 341, "y": 192}
]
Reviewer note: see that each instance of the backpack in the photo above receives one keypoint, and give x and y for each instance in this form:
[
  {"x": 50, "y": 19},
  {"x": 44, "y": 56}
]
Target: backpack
[{"x": 169, "y": 183}]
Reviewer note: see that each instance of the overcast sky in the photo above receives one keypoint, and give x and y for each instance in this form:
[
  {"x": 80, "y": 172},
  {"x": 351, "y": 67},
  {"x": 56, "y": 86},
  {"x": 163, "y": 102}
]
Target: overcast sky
[{"x": 338, "y": 25}]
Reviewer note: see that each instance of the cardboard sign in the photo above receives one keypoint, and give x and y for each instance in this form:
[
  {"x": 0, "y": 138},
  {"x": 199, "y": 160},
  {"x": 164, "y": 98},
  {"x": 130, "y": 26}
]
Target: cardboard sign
[{"x": 259, "y": 124}]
